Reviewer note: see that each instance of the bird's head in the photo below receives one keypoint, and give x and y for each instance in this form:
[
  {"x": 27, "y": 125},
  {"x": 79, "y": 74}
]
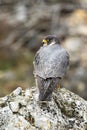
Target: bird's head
[{"x": 50, "y": 40}]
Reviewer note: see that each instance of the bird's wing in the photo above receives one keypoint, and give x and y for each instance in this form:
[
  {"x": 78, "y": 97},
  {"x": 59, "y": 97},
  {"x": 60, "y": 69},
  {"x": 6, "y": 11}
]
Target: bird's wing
[{"x": 51, "y": 62}]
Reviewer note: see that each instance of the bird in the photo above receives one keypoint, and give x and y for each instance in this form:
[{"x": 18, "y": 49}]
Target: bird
[{"x": 51, "y": 63}]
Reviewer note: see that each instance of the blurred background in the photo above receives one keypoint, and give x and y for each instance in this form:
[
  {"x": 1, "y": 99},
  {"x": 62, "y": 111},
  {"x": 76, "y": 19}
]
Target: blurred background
[{"x": 24, "y": 23}]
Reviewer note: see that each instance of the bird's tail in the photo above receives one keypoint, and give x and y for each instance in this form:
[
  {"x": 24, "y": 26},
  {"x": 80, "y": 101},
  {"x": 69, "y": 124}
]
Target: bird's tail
[{"x": 46, "y": 87}]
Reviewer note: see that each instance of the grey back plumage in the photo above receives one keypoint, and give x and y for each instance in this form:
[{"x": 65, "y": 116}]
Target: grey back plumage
[{"x": 51, "y": 61}]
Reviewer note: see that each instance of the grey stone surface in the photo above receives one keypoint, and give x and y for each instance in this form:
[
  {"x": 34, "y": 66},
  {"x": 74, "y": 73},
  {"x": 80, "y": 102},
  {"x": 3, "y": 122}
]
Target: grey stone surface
[{"x": 23, "y": 111}]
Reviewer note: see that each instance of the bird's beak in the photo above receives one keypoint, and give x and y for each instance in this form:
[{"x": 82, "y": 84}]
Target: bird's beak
[{"x": 44, "y": 42}]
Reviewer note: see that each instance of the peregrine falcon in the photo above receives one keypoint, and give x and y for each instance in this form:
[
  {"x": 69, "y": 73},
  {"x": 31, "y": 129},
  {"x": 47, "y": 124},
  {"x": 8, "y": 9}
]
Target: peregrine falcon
[{"x": 50, "y": 65}]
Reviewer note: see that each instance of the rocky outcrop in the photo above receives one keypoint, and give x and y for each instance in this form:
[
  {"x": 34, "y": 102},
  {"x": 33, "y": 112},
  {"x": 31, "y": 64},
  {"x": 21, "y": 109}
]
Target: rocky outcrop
[
  {"x": 21, "y": 110},
  {"x": 23, "y": 25}
]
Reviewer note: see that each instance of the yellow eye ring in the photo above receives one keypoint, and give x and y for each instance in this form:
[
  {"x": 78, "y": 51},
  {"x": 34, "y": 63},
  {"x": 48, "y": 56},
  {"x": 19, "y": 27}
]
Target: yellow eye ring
[{"x": 45, "y": 41}]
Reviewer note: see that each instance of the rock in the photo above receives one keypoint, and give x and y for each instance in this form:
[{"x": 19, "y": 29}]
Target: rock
[
  {"x": 66, "y": 111},
  {"x": 3, "y": 101},
  {"x": 14, "y": 106},
  {"x": 23, "y": 24},
  {"x": 17, "y": 92}
]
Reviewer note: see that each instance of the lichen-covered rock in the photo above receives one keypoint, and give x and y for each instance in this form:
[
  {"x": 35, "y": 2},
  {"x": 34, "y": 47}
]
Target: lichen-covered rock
[{"x": 21, "y": 110}]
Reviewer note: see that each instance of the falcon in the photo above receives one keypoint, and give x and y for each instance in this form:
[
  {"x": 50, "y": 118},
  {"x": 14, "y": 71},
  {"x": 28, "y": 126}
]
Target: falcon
[{"x": 50, "y": 66}]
